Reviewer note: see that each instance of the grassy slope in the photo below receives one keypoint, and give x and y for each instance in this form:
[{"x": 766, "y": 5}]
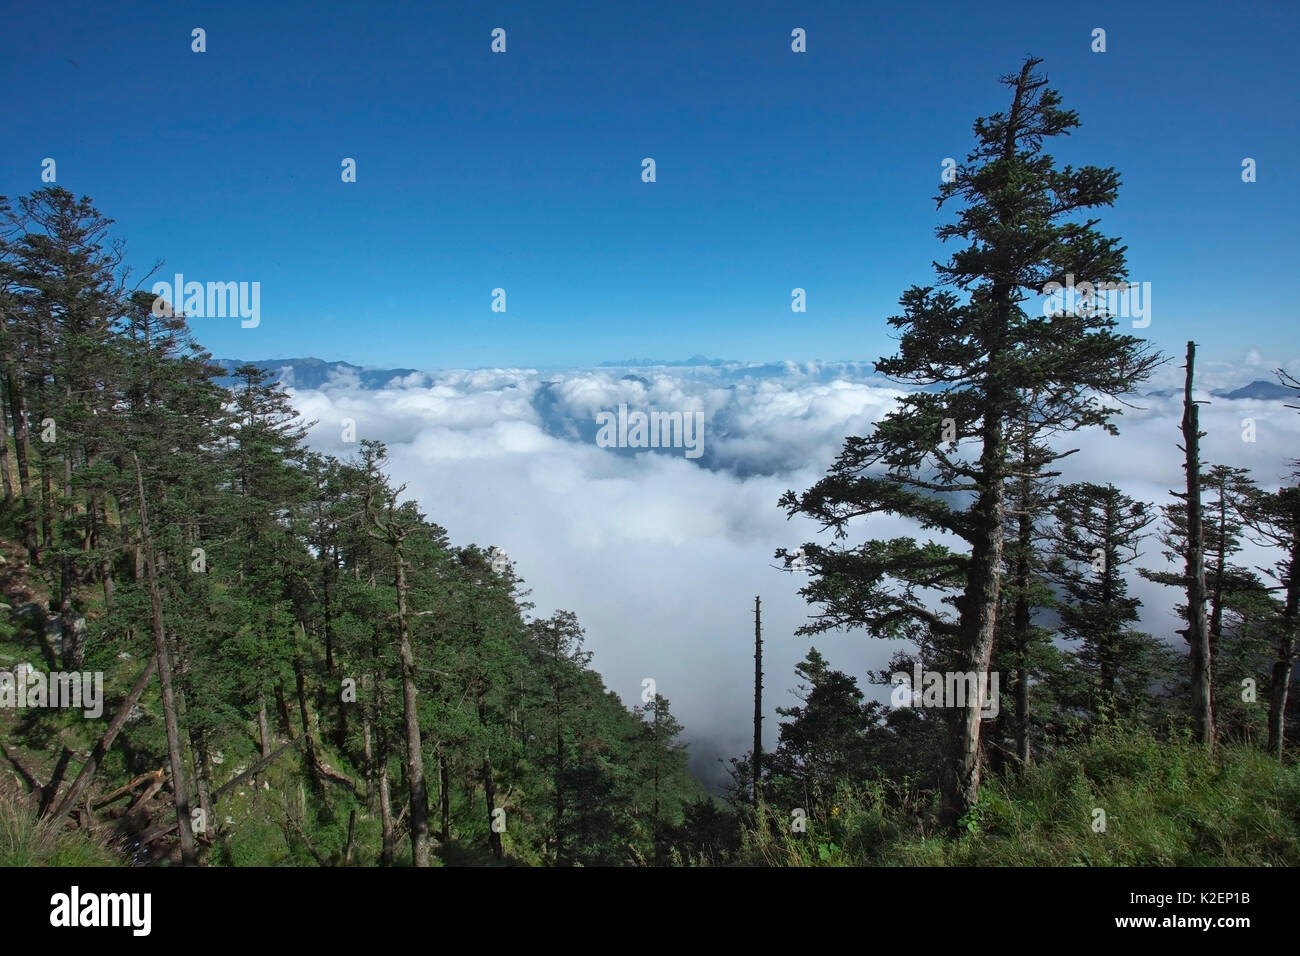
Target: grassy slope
[{"x": 1166, "y": 803}]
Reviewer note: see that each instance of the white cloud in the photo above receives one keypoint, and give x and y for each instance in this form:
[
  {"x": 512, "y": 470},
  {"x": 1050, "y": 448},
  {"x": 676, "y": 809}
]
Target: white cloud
[{"x": 661, "y": 556}]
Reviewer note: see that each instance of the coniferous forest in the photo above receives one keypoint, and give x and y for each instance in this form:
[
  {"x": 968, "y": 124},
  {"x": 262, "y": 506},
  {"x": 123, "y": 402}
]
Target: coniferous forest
[{"x": 301, "y": 667}]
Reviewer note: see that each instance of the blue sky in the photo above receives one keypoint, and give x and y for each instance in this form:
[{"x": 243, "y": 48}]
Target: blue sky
[{"x": 522, "y": 170}]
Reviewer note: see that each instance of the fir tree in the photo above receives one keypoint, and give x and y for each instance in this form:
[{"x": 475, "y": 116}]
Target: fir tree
[{"x": 986, "y": 369}]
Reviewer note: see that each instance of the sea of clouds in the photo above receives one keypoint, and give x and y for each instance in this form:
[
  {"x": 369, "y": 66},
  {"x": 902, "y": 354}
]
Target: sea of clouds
[{"x": 661, "y": 556}]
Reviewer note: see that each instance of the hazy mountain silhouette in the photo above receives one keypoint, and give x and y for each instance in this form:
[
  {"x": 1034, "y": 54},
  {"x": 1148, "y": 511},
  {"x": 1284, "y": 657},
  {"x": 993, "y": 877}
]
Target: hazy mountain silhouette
[{"x": 314, "y": 372}]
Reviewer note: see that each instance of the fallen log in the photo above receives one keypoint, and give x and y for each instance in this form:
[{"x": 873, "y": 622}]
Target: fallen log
[
  {"x": 167, "y": 826},
  {"x": 128, "y": 787},
  {"x": 87, "y": 773}
]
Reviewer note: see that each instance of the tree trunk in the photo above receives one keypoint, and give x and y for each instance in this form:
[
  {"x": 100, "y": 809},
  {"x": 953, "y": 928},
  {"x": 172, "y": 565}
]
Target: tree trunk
[
  {"x": 72, "y": 638},
  {"x": 1020, "y": 626},
  {"x": 199, "y": 748},
  {"x": 5, "y": 474},
  {"x": 263, "y": 730},
  {"x": 1279, "y": 687},
  {"x": 656, "y": 842},
  {"x": 1106, "y": 646},
  {"x": 18, "y": 412},
  {"x": 560, "y": 857},
  {"x": 385, "y": 806},
  {"x": 47, "y": 503},
  {"x": 489, "y": 788},
  {"x": 978, "y": 623},
  {"x": 282, "y": 711},
  {"x": 1280, "y": 679},
  {"x": 419, "y": 797},
  {"x": 352, "y": 834},
  {"x": 444, "y": 799},
  {"x": 329, "y": 572},
  {"x": 99, "y": 512},
  {"x": 1021, "y": 613},
  {"x": 369, "y": 757},
  {"x": 188, "y": 856},
  {"x": 304, "y": 716},
  {"x": 1217, "y": 581},
  {"x": 758, "y": 711},
  {"x": 1197, "y": 633}
]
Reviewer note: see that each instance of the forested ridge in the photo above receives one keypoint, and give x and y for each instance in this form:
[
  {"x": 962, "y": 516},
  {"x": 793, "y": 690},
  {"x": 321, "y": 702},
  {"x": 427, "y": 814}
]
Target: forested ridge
[
  {"x": 338, "y": 682},
  {"x": 301, "y": 668}
]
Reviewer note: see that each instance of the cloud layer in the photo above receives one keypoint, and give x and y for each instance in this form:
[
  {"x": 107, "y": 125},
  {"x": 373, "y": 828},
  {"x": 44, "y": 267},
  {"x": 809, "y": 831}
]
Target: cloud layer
[{"x": 661, "y": 556}]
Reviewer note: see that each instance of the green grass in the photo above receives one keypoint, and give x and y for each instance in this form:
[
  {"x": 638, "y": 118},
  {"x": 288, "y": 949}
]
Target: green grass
[
  {"x": 1166, "y": 803},
  {"x": 28, "y": 841}
]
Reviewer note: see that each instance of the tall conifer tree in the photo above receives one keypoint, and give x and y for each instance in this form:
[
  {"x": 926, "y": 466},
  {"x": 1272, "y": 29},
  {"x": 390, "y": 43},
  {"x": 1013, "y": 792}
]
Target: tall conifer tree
[{"x": 983, "y": 364}]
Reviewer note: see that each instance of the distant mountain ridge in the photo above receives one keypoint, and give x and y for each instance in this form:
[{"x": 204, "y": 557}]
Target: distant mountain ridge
[
  {"x": 314, "y": 372},
  {"x": 695, "y": 361},
  {"x": 1258, "y": 389}
]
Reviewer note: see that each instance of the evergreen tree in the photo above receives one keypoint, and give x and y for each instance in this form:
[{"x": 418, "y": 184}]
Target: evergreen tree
[
  {"x": 1236, "y": 599},
  {"x": 392, "y": 524},
  {"x": 67, "y": 296},
  {"x": 825, "y": 739},
  {"x": 1274, "y": 521},
  {"x": 986, "y": 368},
  {"x": 1096, "y": 535},
  {"x": 664, "y": 763},
  {"x": 560, "y": 658}
]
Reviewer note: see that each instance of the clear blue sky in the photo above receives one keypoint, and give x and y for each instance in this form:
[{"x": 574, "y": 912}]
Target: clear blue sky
[{"x": 522, "y": 170}]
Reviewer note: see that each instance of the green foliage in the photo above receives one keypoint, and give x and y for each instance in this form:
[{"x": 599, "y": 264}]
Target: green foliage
[
  {"x": 310, "y": 612},
  {"x": 1166, "y": 802},
  {"x": 990, "y": 381}
]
